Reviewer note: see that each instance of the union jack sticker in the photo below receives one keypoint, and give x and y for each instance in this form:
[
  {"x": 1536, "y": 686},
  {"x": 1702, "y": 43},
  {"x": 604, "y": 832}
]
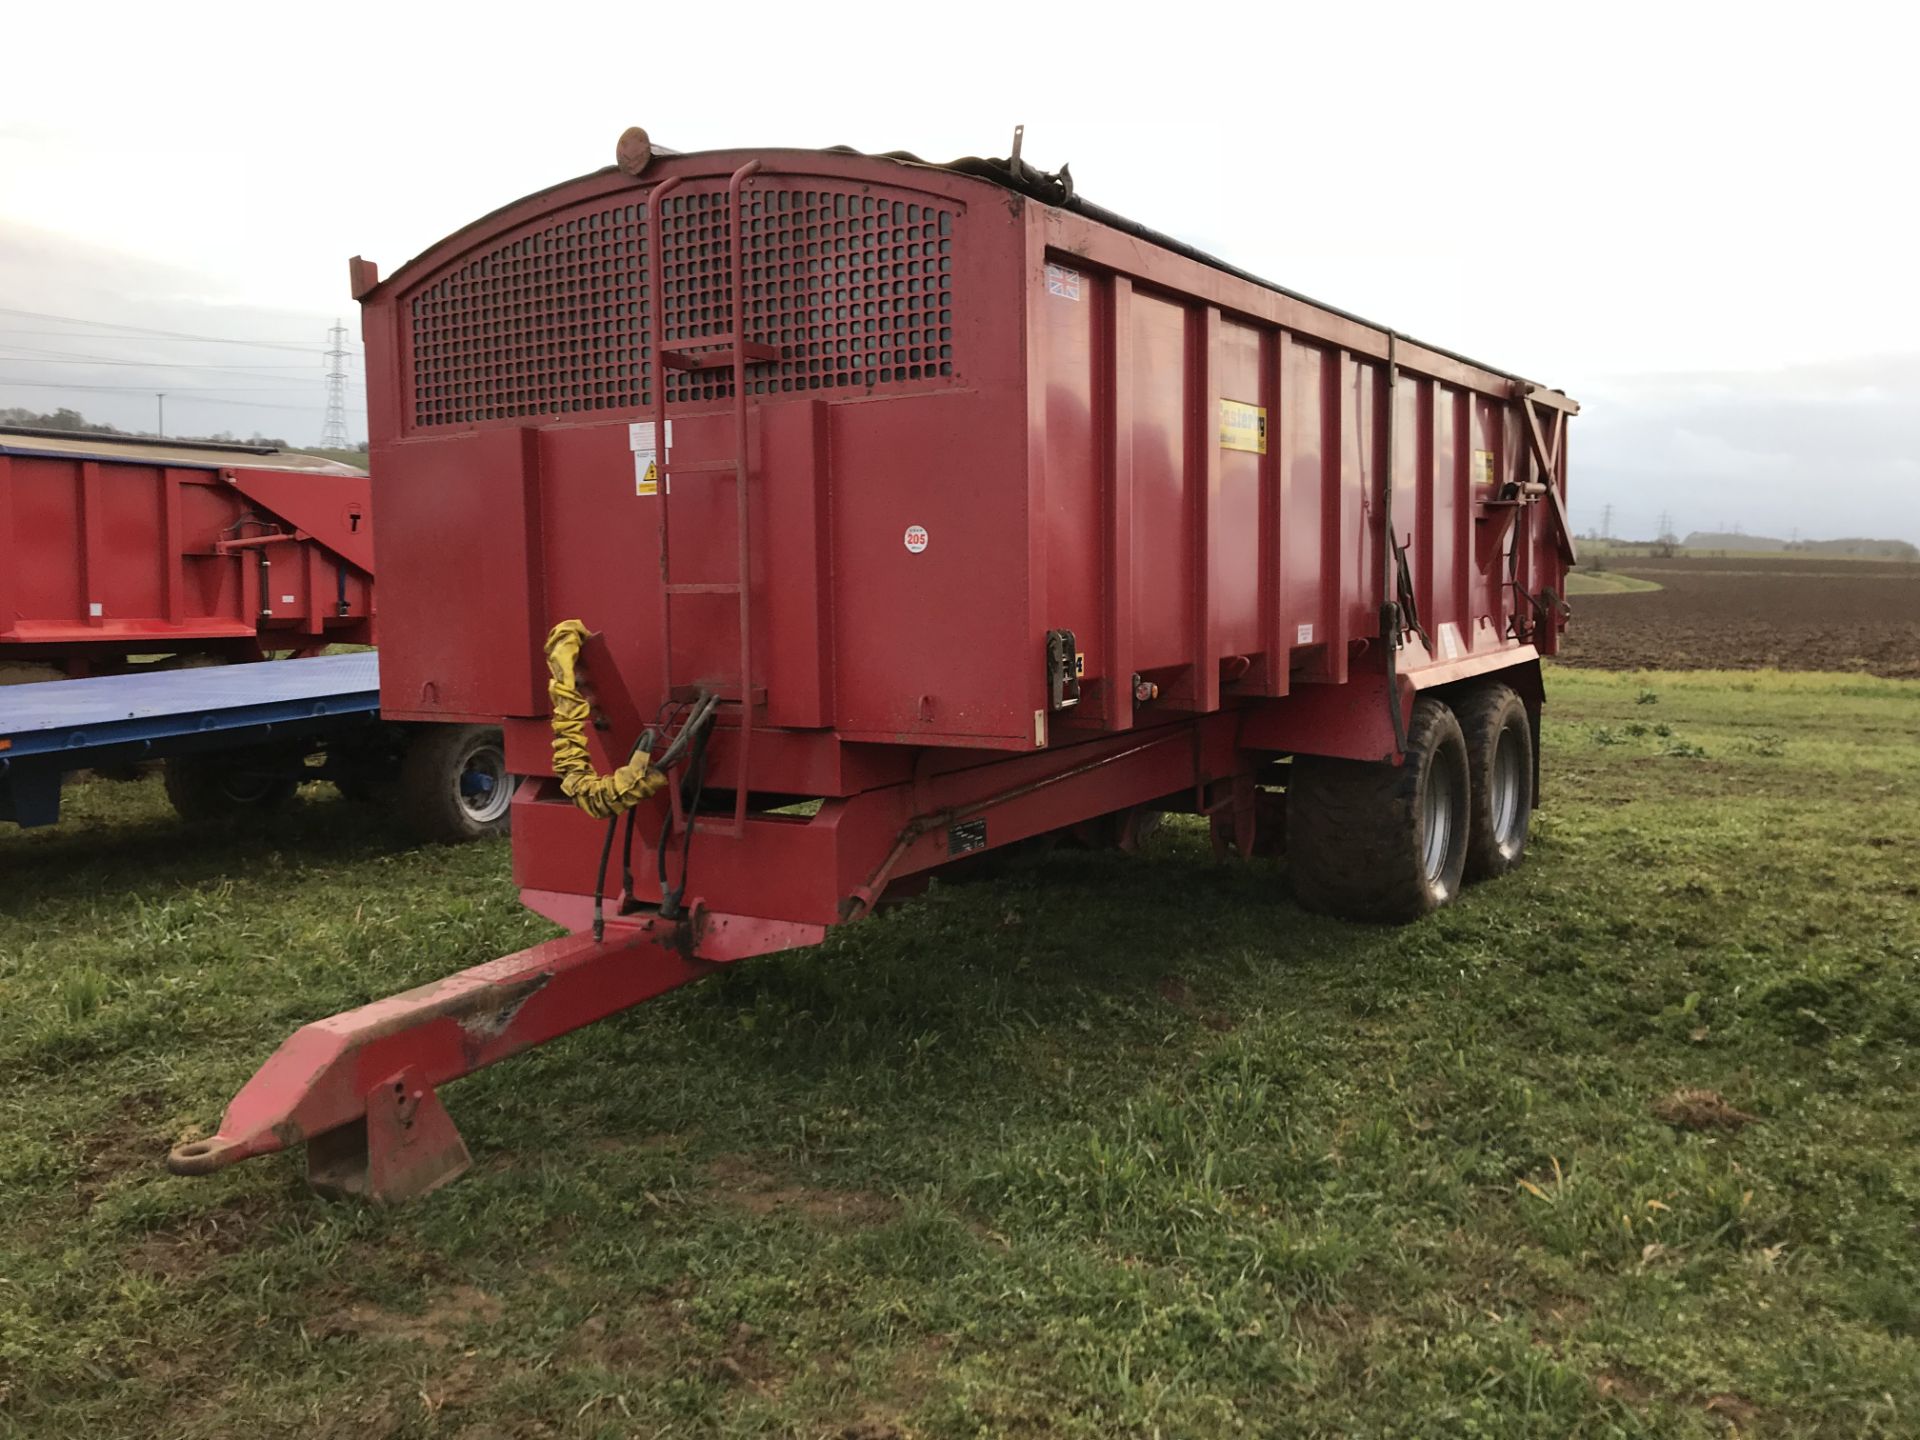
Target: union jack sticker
[{"x": 1063, "y": 282}]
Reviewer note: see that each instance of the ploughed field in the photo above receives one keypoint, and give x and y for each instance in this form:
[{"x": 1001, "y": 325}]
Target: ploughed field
[
  {"x": 1753, "y": 612},
  {"x": 1622, "y": 1145}
]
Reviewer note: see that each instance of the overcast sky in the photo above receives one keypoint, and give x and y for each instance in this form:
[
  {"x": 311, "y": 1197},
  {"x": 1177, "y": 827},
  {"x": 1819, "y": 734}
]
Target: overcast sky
[{"x": 1698, "y": 219}]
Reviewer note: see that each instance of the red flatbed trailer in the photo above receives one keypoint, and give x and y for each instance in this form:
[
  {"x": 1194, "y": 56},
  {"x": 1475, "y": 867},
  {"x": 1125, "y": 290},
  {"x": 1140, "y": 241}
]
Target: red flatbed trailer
[
  {"x": 950, "y": 503},
  {"x": 115, "y": 546}
]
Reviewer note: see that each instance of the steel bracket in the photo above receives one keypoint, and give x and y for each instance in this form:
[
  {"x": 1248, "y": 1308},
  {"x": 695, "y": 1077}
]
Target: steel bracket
[{"x": 404, "y": 1147}]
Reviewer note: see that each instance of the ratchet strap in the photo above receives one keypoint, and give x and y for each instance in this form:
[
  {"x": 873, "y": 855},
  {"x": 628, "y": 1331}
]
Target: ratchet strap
[{"x": 601, "y": 796}]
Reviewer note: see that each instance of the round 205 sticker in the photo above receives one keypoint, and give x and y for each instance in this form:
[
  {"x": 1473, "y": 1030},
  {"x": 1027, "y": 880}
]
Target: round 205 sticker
[{"x": 916, "y": 538}]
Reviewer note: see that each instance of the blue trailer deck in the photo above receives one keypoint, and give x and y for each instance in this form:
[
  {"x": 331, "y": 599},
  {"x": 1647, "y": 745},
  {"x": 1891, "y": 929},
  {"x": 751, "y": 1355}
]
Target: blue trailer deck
[{"x": 50, "y": 729}]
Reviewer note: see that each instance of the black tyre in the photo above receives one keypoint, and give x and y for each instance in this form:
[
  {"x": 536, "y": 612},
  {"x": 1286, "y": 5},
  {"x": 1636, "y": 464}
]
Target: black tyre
[
  {"x": 1499, "y": 736},
  {"x": 215, "y": 786},
  {"x": 454, "y": 785},
  {"x": 1372, "y": 841}
]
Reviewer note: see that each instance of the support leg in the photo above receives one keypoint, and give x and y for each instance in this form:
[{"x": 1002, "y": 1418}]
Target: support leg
[{"x": 405, "y": 1147}]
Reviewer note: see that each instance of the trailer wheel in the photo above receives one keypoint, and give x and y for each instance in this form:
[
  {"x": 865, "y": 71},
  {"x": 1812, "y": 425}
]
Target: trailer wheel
[
  {"x": 1499, "y": 739},
  {"x": 1373, "y": 841},
  {"x": 215, "y": 786},
  {"x": 454, "y": 783}
]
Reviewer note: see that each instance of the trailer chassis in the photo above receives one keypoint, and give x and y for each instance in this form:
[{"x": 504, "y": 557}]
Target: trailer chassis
[{"x": 361, "y": 1089}]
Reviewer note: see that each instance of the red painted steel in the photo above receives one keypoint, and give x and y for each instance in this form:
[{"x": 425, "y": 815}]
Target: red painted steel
[
  {"x": 910, "y": 424},
  {"x": 111, "y": 548},
  {"x": 378, "y": 1065},
  {"x": 1037, "y": 394}
]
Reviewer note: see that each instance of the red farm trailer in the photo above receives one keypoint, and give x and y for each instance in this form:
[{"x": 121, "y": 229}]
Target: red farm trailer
[
  {"x": 125, "y": 558},
  {"x": 940, "y": 500},
  {"x": 112, "y": 547}
]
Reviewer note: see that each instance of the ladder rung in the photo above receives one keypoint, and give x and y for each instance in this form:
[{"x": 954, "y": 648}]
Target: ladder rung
[
  {"x": 756, "y": 354},
  {"x": 722, "y": 587}
]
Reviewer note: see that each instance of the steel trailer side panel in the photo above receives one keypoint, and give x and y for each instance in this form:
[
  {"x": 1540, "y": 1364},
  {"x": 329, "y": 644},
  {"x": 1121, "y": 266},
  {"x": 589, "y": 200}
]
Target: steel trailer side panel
[
  {"x": 459, "y": 547},
  {"x": 1217, "y": 577},
  {"x": 118, "y": 553},
  {"x": 932, "y": 638},
  {"x": 1237, "y": 553},
  {"x": 1077, "y": 461},
  {"x": 1163, "y": 511}
]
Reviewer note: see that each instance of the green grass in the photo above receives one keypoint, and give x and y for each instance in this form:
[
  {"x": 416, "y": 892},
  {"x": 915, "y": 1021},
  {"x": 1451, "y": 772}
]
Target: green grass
[
  {"x": 1606, "y": 582},
  {"x": 356, "y": 458},
  {"x": 1108, "y": 1147}
]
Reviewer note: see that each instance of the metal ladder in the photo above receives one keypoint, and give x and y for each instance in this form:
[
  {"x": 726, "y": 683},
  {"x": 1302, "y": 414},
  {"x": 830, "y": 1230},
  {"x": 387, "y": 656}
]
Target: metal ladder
[{"x": 735, "y": 350}]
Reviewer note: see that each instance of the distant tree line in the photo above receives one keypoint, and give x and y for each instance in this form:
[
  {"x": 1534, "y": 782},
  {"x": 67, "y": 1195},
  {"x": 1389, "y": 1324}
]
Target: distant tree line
[
  {"x": 1858, "y": 547},
  {"x": 65, "y": 419}
]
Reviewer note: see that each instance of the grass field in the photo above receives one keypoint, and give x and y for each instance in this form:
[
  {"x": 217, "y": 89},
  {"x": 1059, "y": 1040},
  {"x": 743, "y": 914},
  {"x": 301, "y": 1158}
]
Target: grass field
[
  {"x": 1107, "y": 1147},
  {"x": 1606, "y": 582},
  {"x": 356, "y": 458}
]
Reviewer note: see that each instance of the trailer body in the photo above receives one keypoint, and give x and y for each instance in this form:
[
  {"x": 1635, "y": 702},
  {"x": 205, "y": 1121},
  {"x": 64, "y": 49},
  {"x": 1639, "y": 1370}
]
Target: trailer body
[
  {"x": 984, "y": 513},
  {"x": 994, "y": 419},
  {"x": 112, "y": 548}
]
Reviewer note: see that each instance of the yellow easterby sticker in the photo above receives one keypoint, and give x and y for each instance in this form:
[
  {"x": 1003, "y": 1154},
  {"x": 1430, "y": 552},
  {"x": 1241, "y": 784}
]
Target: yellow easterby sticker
[
  {"x": 1483, "y": 467},
  {"x": 1243, "y": 427}
]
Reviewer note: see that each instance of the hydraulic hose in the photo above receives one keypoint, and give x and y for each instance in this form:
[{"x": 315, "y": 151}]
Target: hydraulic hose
[{"x": 601, "y": 796}]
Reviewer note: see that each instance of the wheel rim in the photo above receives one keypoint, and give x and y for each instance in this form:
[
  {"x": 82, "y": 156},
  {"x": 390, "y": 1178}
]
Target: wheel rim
[
  {"x": 1438, "y": 799},
  {"x": 247, "y": 789},
  {"x": 484, "y": 787},
  {"x": 1508, "y": 800}
]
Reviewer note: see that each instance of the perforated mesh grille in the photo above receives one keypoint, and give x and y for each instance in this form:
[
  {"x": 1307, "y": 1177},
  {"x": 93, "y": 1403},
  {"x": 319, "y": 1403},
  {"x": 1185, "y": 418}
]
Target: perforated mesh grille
[
  {"x": 854, "y": 289},
  {"x": 545, "y": 324}
]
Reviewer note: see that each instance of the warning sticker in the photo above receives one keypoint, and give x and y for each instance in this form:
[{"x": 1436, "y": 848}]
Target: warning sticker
[
  {"x": 646, "y": 458},
  {"x": 1243, "y": 427},
  {"x": 1483, "y": 467},
  {"x": 1063, "y": 282}
]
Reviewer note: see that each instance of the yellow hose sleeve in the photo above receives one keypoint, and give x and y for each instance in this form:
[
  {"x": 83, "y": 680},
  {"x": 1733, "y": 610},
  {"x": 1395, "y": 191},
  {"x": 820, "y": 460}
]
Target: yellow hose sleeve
[{"x": 601, "y": 796}]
